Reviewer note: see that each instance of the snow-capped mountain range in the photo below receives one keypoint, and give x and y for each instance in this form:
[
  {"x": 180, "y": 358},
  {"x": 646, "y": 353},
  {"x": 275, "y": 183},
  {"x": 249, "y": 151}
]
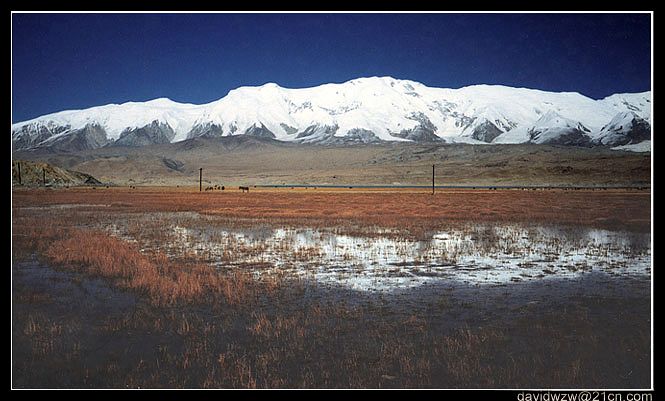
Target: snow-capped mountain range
[{"x": 362, "y": 110}]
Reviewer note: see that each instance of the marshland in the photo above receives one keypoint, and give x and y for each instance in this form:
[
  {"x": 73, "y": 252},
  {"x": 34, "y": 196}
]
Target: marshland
[{"x": 319, "y": 288}]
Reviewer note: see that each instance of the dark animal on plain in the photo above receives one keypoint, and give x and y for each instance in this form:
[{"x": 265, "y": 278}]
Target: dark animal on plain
[{"x": 244, "y": 189}]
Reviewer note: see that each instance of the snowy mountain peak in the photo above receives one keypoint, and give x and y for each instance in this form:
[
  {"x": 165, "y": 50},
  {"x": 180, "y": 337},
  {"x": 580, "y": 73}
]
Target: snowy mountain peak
[
  {"x": 161, "y": 102},
  {"x": 553, "y": 119},
  {"x": 626, "y": 128},
  {"x": 639, "y": 103},
  {"x": 385, "y": 80},
  {"x": 368, "y": 109},
  {"x": 551, "y": 116}
]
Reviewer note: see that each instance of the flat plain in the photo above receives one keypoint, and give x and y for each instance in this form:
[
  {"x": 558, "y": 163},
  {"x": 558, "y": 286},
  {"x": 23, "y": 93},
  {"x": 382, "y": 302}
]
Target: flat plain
[{"x": 240, "y": 160}]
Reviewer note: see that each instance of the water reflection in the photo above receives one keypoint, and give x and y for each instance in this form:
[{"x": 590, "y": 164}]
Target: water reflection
[{"x": 472, "y": 254}]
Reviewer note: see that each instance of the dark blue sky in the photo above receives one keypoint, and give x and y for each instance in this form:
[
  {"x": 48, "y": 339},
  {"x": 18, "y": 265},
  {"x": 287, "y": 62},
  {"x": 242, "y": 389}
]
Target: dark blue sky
[{"x": 71, "y": 61}]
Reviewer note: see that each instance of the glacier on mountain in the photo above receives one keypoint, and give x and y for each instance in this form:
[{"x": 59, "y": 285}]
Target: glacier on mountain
[{"x": 363, "y": 110}]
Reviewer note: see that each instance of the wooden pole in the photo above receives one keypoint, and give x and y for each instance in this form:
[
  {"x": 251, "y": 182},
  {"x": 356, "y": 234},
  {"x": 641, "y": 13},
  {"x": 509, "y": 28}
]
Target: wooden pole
[
  {"x": 19, "y": 173},
  {"x": 432, "y": 179},
  {"x": 200, "y": 179}
]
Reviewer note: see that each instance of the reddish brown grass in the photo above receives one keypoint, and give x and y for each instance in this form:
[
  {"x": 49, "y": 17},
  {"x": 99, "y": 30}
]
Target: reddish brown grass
[
  {"x": 164, "y": 282},
  {"x": 399, "y": 208}
]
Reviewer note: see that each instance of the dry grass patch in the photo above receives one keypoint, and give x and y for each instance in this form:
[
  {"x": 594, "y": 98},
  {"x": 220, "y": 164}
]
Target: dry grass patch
[{"x": 162, "y": 281}]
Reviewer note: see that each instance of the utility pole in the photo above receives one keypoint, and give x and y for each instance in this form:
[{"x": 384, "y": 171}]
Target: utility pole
[
  {"x": 200, "y": 178},
  {"x": 432, "y": 179},
  {"x": 19, "y": 173}
]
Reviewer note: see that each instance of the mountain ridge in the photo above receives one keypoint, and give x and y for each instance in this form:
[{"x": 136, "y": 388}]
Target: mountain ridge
[{"x": 362, "y": 110}]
